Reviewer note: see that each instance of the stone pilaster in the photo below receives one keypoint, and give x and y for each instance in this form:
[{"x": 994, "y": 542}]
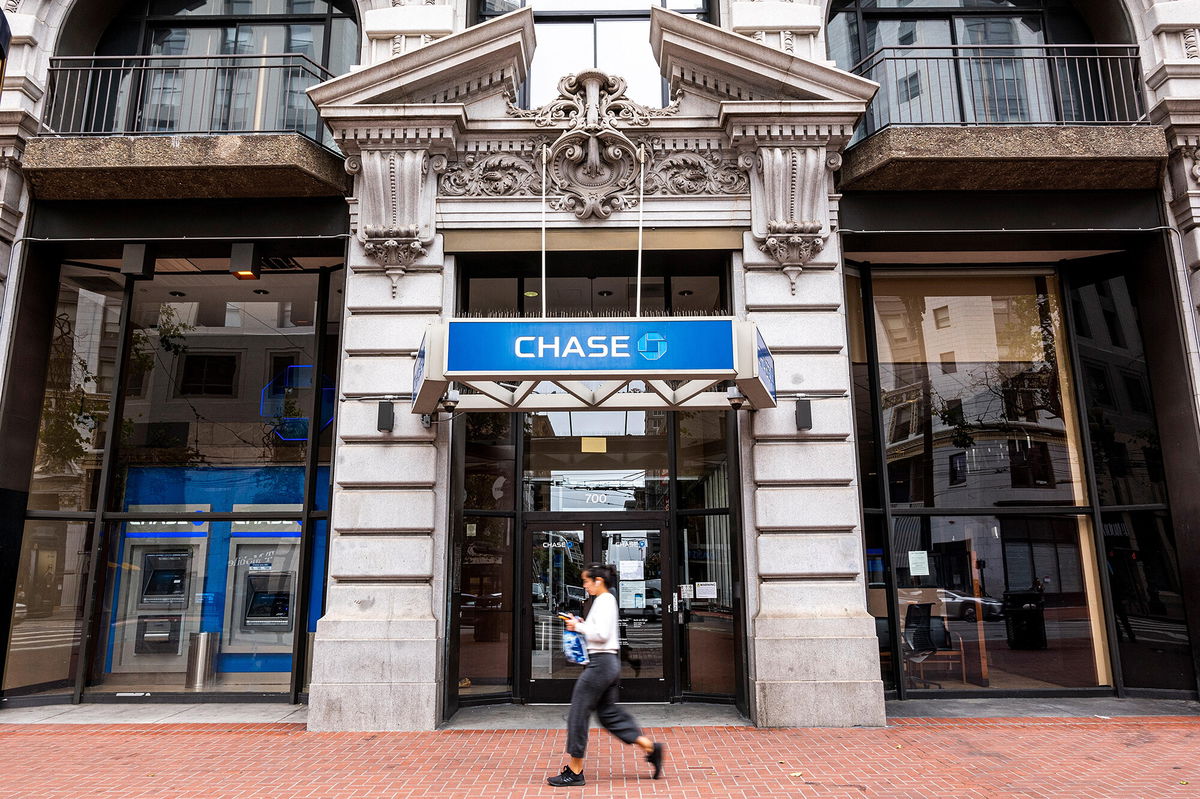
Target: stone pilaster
[
  {"x": 377, "y": 657},
  {"x": 816, "y": 659}
]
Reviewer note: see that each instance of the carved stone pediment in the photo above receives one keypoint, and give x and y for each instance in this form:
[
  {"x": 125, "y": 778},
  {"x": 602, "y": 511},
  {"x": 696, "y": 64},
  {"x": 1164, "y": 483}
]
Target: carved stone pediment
[{"x": 593, "y": 164}]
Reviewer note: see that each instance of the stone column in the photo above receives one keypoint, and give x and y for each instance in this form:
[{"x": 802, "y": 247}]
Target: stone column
[
  {"x": 377, "y": 657},
  {"x": 816, "y": 656}
]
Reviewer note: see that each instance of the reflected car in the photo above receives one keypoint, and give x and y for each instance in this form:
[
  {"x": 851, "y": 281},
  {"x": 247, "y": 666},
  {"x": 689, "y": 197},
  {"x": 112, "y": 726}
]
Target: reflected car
[{"x": 968, "y": 608}]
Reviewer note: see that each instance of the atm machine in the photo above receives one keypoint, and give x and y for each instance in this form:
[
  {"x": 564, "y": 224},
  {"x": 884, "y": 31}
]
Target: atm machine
[
  {"x": 159, "y": 596},
  {"x": 261, "y": 585}
]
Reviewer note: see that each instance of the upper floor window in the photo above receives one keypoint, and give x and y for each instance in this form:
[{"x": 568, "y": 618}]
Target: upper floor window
[
  {"x": 202, "y": 67},
  {"x": 610, "y": 35},
  {"x": 989, "y": 62},
  {"x": 323, "y": 31}
]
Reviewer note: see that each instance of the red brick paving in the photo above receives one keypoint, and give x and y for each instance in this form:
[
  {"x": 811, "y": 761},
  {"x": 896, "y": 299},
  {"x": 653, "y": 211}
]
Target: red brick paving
[{"x": 1122, "y": 758}]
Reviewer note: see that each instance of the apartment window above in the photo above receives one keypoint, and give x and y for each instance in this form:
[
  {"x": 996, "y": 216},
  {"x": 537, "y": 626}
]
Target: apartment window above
[
  {"x": 200, "y": 67},
  {"x": 990, "y": 62},
  {"x": 208, "y": 375},
  {"x": 609, "y": 35}
]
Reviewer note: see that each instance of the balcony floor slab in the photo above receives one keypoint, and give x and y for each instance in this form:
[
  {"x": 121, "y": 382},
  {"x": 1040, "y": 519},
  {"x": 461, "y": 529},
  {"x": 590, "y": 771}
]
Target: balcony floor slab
[
  {"x": 1026, "y": 157},
  {"x": 182, "y": 166}
]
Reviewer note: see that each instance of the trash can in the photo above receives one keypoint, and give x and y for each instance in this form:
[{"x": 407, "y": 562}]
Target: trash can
[
  {"x": 1025, "y": 619},
  {"x": 201, "y": 661}
]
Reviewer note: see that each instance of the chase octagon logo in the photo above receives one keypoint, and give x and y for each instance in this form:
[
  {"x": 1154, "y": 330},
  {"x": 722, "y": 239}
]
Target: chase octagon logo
[{"x": 652, "y": 346}]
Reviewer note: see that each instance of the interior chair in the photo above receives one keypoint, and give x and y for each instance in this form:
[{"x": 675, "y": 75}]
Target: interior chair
[{"x": 918, "y": 643}]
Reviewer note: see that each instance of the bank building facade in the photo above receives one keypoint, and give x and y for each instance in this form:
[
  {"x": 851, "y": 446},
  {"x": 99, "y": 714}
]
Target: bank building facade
[{"x": 858, "y": 337}]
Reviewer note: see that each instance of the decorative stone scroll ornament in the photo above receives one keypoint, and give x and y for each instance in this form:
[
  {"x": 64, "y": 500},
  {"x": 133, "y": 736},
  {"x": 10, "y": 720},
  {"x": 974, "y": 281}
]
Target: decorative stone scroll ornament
[
  {"x": 788, "y": 197},
  {"x": 593, "y": 165},
  {"x": 491, "y": 176},
  {"x": 395, "y": 201}
]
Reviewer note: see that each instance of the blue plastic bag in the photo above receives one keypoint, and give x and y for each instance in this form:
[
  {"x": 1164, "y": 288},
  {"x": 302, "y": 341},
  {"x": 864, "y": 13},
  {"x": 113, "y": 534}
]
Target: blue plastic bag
[{"x": 574, "y": 647}]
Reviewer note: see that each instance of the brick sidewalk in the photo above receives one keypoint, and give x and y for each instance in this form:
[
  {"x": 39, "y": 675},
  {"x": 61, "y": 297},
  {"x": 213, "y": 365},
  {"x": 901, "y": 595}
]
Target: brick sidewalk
[{"x": 1122, "y": 758}]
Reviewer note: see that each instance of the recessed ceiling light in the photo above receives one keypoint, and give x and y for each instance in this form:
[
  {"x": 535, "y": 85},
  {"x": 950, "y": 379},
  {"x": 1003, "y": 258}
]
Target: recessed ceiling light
[
  {"x": 531, "y": 294},
  {"x": 176, "y": 293},
  {"x": 605, "y": 293},
  {"x": 261, "y": 291},
  {"x": 686, "y": 293}
]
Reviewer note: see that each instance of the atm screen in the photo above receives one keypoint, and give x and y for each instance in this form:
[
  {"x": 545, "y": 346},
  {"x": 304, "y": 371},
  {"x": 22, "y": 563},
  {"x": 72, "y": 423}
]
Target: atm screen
[
  {"x": 163, "y": 583},
  {"x": 268, "y": 601},
  {"x": 165, "y": 577},
  {"x": 269, "y": 605}
]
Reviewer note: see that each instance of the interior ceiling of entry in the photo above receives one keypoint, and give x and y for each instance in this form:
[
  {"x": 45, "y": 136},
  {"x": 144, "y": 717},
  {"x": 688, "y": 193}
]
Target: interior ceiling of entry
[
  {"x": 175, "y": 265},
  {"x": 974, "y": 256}
]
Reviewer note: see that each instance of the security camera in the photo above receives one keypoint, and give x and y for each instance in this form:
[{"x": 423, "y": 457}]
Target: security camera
[
  {"x": 736, "y": 398},
  {"x": 450, "y": 401}
]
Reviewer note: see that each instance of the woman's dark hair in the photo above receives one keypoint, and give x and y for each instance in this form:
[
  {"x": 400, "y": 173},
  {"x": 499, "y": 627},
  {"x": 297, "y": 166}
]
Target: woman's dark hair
[{"x": 603, "y": 572}]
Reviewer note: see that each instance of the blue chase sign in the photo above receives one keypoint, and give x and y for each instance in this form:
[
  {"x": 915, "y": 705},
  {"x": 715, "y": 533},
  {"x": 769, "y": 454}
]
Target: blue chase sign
[
  {"x": 673, "y": 362},
  {"x": 590, "y": 347}
]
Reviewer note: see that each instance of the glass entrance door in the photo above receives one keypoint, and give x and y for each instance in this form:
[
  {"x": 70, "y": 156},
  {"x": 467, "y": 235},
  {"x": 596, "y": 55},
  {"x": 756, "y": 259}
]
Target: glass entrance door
[{"x": 557, "y": 556}]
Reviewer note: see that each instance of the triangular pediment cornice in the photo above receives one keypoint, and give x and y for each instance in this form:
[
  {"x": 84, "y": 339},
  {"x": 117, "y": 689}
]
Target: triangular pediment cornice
[
  {"x": 481, "y": 61},
  {"x": 708, "y": 60}
]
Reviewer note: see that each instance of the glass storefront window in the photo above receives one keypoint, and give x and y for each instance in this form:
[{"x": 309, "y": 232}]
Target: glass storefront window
[
  {"x": 1009, "y": 602},
  {"x": 874, "y": 546},
  {"x": 490, "y": 481},
  {"x": 220, "y": 392},
  {"x": 1126, "y": 450},
  {"x": 217, "y": 397},
  {"x": 976, "y": 387},
  {"x": 709, "y": 628},
  {"x": 596, "y": 461},
  {"x": 1147, "y": 598},
  {"x": 485, "y": 606},
  {"x": 703, "y": 460},
  {"x": 81, "y": 365},
  {"x": 47, "y": 619}
]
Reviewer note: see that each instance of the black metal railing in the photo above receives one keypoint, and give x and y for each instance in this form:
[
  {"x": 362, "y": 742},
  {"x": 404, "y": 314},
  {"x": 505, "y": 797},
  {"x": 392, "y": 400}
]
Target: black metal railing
[
  {"x": 161, "y": 95},
  {"x": 1005, "y": 85}
]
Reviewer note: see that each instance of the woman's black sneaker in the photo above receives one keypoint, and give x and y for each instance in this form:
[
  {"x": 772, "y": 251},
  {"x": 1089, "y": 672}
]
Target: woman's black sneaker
[
  {"x": 567, "y": 778},
  {"x": 655, "y": 758}
]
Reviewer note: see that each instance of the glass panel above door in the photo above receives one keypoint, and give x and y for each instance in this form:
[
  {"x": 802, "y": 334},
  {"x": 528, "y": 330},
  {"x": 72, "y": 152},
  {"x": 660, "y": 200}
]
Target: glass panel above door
[{"x": 596, "y": 461}]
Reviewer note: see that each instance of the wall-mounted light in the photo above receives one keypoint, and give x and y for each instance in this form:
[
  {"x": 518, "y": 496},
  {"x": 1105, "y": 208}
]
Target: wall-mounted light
[
  {"x": 531, "y": 293},
  {"x": 804, "y": 414},
  {"x": 386, "y": 419},
  {"x": 260, "y": 292},
  {"x": 736, "y": 398},
  {"x": 177, "y": 293},
  {"x": 137, "y": 260},
  {"x": 244, "y": 261},
  {"x": 686, "y": 293},
  {"x": 605, "y": 293}
]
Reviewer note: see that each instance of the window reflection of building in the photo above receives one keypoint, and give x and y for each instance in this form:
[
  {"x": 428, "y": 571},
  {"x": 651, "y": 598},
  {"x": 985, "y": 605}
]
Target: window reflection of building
[{"x": 977, "y": 405}]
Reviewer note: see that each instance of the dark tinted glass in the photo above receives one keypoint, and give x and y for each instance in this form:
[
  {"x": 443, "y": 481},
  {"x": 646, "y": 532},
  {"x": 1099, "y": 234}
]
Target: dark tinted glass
[
  {"x": 874, "y": 546},
  {"x": 489, "y": 480},
  {"x": 1126, "y": 451},
  {"x": 484, "y": 600},
  {"x": 47, "y": 614},
  {"x": 1147, "y": 597}
]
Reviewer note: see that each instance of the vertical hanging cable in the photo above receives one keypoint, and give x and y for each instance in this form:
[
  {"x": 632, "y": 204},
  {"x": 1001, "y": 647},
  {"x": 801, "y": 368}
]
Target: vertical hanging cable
[
  {"x": 641, "y": 222},
  {"x": 545, "y": 155}
]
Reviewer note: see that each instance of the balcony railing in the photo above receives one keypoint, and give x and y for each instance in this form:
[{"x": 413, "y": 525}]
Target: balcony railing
[
  {"x": 1005, "y": 85},
  {"x": 162, "y": 95}
]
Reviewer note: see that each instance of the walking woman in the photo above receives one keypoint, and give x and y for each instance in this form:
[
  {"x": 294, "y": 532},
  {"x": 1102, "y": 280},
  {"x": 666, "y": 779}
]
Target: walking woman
[{"x": 596, "y": 688}]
